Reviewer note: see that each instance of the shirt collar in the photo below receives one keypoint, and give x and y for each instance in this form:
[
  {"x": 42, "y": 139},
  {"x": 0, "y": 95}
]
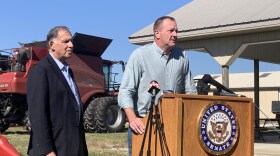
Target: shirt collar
[
  {"x": 62, "y": 66},
  {"x": 158, "y": 50}
]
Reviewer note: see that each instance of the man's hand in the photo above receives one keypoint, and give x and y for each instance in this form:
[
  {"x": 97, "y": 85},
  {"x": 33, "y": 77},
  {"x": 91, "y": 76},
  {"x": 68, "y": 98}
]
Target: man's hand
[
  {"x": 51, "y": 154},
  {"x": 135, "y": 123}
]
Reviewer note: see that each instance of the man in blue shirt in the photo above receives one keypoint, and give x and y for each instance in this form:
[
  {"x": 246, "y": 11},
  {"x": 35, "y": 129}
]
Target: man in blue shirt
[{"x": 160, "y": 61}]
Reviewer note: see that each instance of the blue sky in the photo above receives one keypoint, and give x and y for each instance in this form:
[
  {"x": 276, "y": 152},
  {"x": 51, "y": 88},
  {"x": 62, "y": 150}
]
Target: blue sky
[{"x": 27, "y": 21}]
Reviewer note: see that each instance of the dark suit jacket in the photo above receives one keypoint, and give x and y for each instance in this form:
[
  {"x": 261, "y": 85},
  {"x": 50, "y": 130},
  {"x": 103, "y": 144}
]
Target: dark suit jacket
[{"x": 53, "y": 112}]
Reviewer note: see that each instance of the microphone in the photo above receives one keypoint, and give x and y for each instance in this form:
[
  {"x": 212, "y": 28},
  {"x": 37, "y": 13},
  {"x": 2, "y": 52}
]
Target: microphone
[
  {"x": 202, "y": 88},
  {"x": 154, "y": 87},
  {"x": 208, "y": 79}
]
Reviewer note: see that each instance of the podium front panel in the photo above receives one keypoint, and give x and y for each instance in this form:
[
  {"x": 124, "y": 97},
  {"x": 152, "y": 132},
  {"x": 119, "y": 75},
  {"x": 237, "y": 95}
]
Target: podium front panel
[
  {"x": 244, "y": 111},
  {"x": 179, "y": 115}
]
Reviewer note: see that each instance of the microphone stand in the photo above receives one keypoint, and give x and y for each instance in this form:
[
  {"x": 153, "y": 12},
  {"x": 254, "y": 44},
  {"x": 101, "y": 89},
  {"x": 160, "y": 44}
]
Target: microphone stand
[
  {"x": 159, "y": 128},
  {"x": 153, "y": 90}
]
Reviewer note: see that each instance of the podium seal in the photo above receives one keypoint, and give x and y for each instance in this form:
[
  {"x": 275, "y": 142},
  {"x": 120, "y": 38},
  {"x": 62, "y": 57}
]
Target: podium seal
[{"x": 217, "y": 128}]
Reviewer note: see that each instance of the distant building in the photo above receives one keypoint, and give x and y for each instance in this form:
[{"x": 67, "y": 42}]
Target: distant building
[{"x": 243, "y": 84}]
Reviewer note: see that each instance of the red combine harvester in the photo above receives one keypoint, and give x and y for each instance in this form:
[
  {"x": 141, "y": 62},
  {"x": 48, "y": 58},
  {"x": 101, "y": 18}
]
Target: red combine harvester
[{"x": 94, "y": 77}]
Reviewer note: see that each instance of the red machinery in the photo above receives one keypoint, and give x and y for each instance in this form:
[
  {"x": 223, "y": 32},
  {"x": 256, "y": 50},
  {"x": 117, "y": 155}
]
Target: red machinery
[
  {"x": 6, "y": 149},
  {"x": 92, "y": 73}
]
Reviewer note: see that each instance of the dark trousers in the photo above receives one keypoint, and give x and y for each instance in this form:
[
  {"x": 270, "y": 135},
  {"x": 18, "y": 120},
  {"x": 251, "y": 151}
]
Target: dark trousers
[
  {"x": 129, "y": 140},
  {"x": 83, "y": 151}
]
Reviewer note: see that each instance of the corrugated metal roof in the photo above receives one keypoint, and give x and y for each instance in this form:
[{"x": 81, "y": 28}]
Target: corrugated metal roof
[
  {"x": 217, "y": 15},
  {"x": 246, "y": 80}
]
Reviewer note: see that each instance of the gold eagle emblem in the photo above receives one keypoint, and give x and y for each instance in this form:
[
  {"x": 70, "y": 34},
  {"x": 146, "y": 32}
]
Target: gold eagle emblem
[{"x": 219, "y": 132}]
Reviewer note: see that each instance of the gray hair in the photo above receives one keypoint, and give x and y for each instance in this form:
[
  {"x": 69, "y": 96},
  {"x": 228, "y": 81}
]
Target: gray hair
[{"x": 54, "y": 32}]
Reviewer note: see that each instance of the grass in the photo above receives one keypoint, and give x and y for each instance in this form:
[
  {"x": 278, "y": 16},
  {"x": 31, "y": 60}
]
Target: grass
[{"x": 99, "y": 144}]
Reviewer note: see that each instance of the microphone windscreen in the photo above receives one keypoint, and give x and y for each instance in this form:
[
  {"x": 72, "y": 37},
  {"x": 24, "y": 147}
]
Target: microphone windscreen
[
  {"x": 154, "y": 82},
  {"x": 206, "y": 78}
]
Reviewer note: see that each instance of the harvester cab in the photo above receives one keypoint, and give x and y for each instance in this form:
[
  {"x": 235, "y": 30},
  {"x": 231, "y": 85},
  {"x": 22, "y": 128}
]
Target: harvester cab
[{"x": 111, "y": 84}]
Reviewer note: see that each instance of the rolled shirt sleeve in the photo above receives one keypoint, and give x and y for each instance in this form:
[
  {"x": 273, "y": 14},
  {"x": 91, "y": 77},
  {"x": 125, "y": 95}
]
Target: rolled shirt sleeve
[{"x": 129, "y": 83}]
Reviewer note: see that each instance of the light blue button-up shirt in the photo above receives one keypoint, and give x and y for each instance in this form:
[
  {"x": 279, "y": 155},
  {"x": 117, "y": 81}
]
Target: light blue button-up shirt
[
  {"x": 148, "y": 63},
  {"x": 65, "y": 71}
]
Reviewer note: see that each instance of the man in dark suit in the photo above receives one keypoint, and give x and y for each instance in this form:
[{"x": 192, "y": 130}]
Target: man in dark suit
[{"x": 54, "y": 105}]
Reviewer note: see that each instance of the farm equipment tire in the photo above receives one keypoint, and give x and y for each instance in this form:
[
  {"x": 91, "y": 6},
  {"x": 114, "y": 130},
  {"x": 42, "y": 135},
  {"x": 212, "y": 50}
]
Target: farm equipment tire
[
  {"x": 89, "y": 116},
  {"x": 109, "y": 117},
  {"x": 104, "y": 115},
  {"x": 3, "y": 127}
]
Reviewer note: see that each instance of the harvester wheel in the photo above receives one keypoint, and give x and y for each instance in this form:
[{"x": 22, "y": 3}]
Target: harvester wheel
[
  {"x": 89, "y": 116},
  {"x": 3, "y": 127},
  {"x": 109, "y": 117}
]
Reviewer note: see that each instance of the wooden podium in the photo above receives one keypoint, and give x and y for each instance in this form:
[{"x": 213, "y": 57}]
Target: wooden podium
[{"x": 181, "y": 117}]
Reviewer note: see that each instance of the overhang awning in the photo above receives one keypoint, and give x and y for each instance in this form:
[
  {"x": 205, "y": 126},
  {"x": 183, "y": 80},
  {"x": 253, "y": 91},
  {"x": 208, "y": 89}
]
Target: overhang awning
[{"x": 230, "y": 29}]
